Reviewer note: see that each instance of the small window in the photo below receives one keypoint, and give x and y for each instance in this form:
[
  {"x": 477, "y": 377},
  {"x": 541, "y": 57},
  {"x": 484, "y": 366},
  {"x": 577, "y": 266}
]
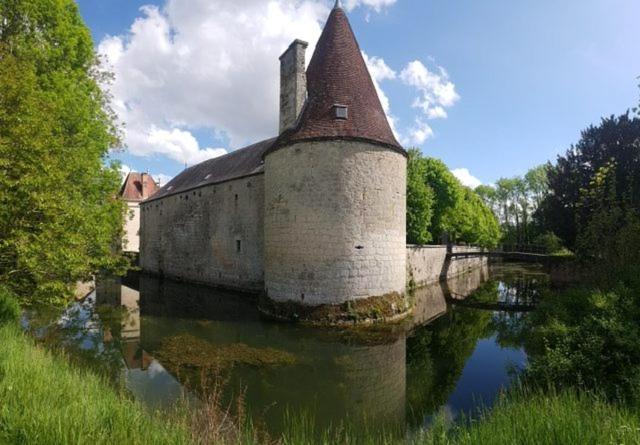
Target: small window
[
  {"x": 341, "y": 112},
  {"x": 238, "y": 246}
]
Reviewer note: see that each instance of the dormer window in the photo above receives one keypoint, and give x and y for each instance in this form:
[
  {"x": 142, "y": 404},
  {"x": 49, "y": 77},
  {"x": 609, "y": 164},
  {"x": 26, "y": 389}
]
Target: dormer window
[{"x": 341, "y": 112}]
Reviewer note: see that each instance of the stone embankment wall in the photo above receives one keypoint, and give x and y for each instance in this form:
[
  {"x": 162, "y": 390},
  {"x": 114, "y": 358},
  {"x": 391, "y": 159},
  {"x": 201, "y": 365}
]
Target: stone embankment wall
[{"x": 429, "y": 264}]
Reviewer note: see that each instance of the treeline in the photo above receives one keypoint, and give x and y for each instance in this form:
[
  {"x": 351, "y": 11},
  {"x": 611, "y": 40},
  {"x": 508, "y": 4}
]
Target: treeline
[
  {"x": 515, "y": 202},
  {"x": 440, "y": 209},
  {"x": 588, "y": 201},
  {"x": 593, "y": 203}
]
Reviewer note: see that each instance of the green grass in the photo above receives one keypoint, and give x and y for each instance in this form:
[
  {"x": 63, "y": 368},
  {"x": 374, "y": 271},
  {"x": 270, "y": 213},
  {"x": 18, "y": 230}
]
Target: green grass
[
  {"x": 44, "y": 400},
  {"x": 538, "y": 418},
  {"x": 522, "y": 417}
]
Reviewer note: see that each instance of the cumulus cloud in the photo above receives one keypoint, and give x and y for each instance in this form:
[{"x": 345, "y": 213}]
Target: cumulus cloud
[
  {"x": 418, "y": 134},
  {"x": 376, "y": 5},
  {"x": 465, "y": 176},
  {"x": 202, "y": 65},
  {"x": 436, "y": 92},
  {"x": 162, "y": 179},
  {"x": 197, "y": 64}
]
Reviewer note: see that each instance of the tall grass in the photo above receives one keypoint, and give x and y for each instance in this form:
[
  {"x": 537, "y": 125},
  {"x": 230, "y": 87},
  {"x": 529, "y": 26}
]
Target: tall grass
[
  {"x": 540, "y": 418},
  {"x": 43, "y": 400}
]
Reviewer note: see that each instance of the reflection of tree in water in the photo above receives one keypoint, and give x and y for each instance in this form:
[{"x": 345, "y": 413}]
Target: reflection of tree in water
[
  {"x": 520, "y": 286},
  {"x": 88, "y": 335},
  {"x": 436, "y": 356},
  {"x": 509, "y": 328}
]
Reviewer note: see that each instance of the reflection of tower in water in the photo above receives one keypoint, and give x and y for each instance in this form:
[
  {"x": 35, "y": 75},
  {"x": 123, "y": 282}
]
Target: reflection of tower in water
[{"x": 279, "y": 368}]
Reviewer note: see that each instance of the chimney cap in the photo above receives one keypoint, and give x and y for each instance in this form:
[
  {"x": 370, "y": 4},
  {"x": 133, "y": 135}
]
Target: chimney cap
[{"x": 296, "y": 42}]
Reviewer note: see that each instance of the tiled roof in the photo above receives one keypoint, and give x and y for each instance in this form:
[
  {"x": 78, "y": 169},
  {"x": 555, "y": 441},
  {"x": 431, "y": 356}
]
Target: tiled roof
[
  {"x": 138, "y": 187},
  {"x": 237, "y": 164},
  {"x": 338, "y": 75}
]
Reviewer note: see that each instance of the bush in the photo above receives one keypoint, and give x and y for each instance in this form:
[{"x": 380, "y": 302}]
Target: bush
[
  {"x": 587, "y": 338},
  {"x": 9, "y": 308},
  {"x": 550, "y": 241}
]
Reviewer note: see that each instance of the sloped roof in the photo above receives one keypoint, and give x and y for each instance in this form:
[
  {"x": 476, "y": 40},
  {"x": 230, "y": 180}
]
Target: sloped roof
[
  {"x": 138, "y": 187},
  {"x": 338, "y": 75},
  {"x": 237, "y": 164}
]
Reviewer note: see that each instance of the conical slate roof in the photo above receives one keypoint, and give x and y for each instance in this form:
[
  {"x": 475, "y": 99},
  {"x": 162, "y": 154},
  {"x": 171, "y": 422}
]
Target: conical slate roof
[{"x": 338, "y": 75}]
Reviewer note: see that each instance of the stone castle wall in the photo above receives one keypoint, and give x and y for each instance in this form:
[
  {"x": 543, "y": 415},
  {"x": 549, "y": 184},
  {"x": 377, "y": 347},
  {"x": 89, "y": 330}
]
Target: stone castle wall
[
  {"x": 334, "y": 222},
  {"x": 429, "y": 264},
  {"x": 212, "y": 235}
]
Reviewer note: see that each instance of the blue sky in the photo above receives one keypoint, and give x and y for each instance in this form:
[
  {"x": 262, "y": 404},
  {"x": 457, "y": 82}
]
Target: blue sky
[{"x": 517, "y": 81}]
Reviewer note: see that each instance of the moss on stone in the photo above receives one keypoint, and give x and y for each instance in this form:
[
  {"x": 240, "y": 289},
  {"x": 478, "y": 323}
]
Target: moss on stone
[{"x": 390, "y": 307}]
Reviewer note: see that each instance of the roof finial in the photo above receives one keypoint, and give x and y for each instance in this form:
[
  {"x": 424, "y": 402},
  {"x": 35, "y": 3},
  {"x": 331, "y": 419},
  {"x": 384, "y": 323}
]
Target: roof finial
[{"x": 338, "y": 4}]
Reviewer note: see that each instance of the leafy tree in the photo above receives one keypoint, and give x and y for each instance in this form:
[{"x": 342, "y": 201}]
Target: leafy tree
[
  {"x": 616, "y": 139},
  {"x": 515, "y": 201},
  {"x": 456, "y": 212},
  {"x": 59, "y": 216},
  {"x": 537, "y": 182},
  {"x": 420, "y": 200},
  {"x": 448, "y": 193}
]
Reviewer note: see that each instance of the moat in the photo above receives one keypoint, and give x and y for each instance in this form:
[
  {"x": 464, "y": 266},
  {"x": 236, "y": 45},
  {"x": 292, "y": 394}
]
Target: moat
[{"x": 163, "y": 341}]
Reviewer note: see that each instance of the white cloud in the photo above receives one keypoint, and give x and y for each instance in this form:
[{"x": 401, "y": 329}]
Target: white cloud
[
  {"x": 436, "y": 91},
  {"x": 124, "y": 171},
  {"x": 418, "y": 134},
  {"x": 465, "y": 176},
  {"x": 380, "y": 71},
  {"x": 376, "y": 5},
  {"x": 180, "y": 146},
  {"x": 205, "y": 65},
  {"x": 162, "y": 179}
]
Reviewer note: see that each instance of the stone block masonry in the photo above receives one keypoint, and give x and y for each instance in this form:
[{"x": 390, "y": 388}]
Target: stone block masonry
[
  {"x": 334, "y": 222},
  {"x": 212, "y": 235},
  {"x": 429, "y": 264}
]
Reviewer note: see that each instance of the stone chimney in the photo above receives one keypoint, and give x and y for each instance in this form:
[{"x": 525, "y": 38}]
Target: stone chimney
[{"x": 293, "y": 84}]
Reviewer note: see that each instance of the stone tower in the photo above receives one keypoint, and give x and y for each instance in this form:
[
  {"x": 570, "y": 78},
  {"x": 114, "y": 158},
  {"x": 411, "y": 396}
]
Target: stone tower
[{"x": 335, "y": 182}]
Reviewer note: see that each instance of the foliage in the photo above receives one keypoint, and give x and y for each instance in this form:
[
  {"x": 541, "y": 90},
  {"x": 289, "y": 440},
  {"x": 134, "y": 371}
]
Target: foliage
[
  {"x": 515, "y": 201},
  {"x": 59, "y": 216},
  {"x": 440, "y": 208},
  {"x": 613, "y": 145},
  {"x": 9, "y": 308},
  {"x": 609, "y": 234},
  {"x": 549, "y": 241},
  {"x": 473, "y": 222},
  {"x": 587, "y": 338},
  {"x": 420, "y": 200}
]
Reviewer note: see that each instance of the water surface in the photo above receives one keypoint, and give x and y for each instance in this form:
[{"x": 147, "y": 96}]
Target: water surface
[{"x": 163, "y": 341}]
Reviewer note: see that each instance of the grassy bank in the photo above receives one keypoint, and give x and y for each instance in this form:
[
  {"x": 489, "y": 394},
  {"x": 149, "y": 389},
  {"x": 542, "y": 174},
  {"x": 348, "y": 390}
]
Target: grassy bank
[
  {"x": 43, "y": 400},
  {"x": 538, "y": 418}
]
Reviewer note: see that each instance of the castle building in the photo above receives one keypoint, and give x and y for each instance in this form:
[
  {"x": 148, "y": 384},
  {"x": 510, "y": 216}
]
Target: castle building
[
  {"x": 314, "y": 216},
  {"x": 136, "y": 188}
]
